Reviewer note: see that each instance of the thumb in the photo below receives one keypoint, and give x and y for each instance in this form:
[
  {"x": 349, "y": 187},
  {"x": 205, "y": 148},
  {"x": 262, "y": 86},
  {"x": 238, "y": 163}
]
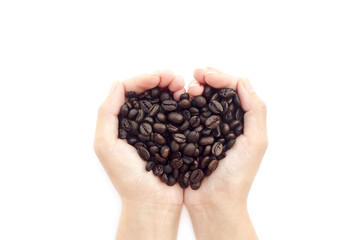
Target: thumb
[{"x": 255, "y": 113}]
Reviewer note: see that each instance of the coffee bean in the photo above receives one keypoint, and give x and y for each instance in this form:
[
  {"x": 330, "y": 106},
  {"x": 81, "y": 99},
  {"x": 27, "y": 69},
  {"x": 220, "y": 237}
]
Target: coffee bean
[
  {"x": 159, "y": 128},
  {"x": 213, "y": 165},
  {"x": 206, "y": 141},
  {"x": 158, "y": 170},
  {"x": 189, "y": 149},
  {"x": 186, "y": 178},
  {"x": 227, "y": 93},
  {"x": 195, "y": 121},
  {"x": 145, "y": 105},
  {"x": 150, "y": 165},
  {"x": 230, "y": 143},
  {"x": 184, "y": 96},
  {"x": 194, "y": 165},
  {"x": 187, "y": 160},
  {"x": 194, "y": 111},
  {"x": 216, "y": 132},
  {"x": 238, "y": 130},
  {"x": 215, "y": 96},
  {"x": 153, "y": 150},
  {"x": 175, "y": 118},
  {"x": 132, "y": 141},
  {"x": 132, "y": 113},
  {"x": 193, "y": 137},
  {"x": 146, "y": 129},
  {"x": 179, "y": 137},
  {"x": 215, "y": 107},
  {"x": 217, "y": 149},
  {"x": 164, "y": 178},
  {"x": 184, "y": 168},
  {"x": 225, "y": 129},
  {"x": 139, "y": 144},
  {"x": 230, "y": 136},
  {"x": 184, "y": 104},
  {"x": 144, "y": 154},
  {"x": 196, "y": 176},
  {"x": 234, "y": 124},
  {"x": 186, "y": 114},
  {"x": 122, "y": 134},
  {"x": 195, "y": 186},
  {"x": 176, "y": 172},
  {"x": 176, "y": 163},
  {"x": 159, "y": 139},
  {"x": 169, "y": 105},
  {"x": 165, "y": 151},
  {"x": 174, "y": 146},
  {"x": 171, "y": 181},
  {"x": 184, "y": 126},
  {"x": 155, "y": 92},
  {"x": 124, "y": 110},
  {"x": 154, "y": 110},
  {"x": 212, "y": 122},
  {"x": 199, "y": 101},
  {"x": 171, "y": 128},
  {"x": 161, "y": 117},
  {"x": 205, "y": 162},
  {"x": 130, "y": 94},
  {"x": 207, "y": 150},
  {"x": 207, "y": 92},
  {"x": 165, "y": 96},
  {"x": 167, "y": 169}
]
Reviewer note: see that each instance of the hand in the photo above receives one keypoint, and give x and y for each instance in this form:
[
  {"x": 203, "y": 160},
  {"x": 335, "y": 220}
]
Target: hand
[
  {"x": 150, "y": 208},
  {"x": 218, "y": 208}
]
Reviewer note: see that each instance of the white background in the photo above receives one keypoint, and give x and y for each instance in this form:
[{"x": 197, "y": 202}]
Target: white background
[{"x": 59, "y": 58}]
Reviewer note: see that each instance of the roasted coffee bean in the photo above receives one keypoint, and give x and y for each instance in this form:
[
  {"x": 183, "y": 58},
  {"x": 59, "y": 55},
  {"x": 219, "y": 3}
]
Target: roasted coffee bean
[
  {"x": 159, "y": 139},
  {"x": 150, "y": 144},
  {"x": 187, "y": 160},
  {"x": 216, "y": 132},
  {"x": 225, "y": 106},
  {"x": 230, "y": 136},
  {"x": 158, "y": 170},
  {"x": 184, "y": 126},
  {"x": 179, "y": 137},
  {"x": 184, "y": 96},
  {"x": 171, "y": 181},
  {"x": 150, "y": 165},
  {"x": 145, "y": 105},
  {"x": 161, "y": 117},
  {"x": 122, "y": 134},
  {"x": 149, "y": 120},
  {"x": 167, "y": 169},
  {"x": 146, "y": 129},
  {"x": 132, "y": 141},
  {"x": 236, "y": 101},
  {"x": 217, "y": 149},
  {"x": 215, "y": 107},
  {"x": 206, "y": 132},
  {"x": 130, "y": 94},
  {"x": 124, "y": 110},
  {"x": 159, "y": 128},
  {"x": 228, "y": 116},
  {"x": 215, "y": 96},
  {"x": 182, "y": 146},
  {"x": 176, "y": 173},
  {"x": 222, "y": 155},
  {"x": 212, "y": 122},
  {"x": 234, "y": 124},
  {"x": 176, "y": 163},
  {"x": 153, "y": 150},
  {"x": 186, "y": 133},
  {"x": 186, "y": 114},
  {"x": 144, "y": 153},
  {"x": 164, "y": 178},
  {"x": 207, "y": 150},
  {"x": 136, "y": 104},
  {"x": 189, "y": 149},
  {"x": 207, "y": 92},
  {"x": 174, "y": 146},
  {"x": 144, "y": 138},
  {"x": 206, "y": 141},
  {"x": 126, "y": 125},
  {"x": 238, "y": 130},
  {"x": 205, "y": 162},
  {"x": 227, "y": 93},
  {"x": 186, "y": 177},
  {"x": 154, "y": 110},
  {"x": 195, "y": 121},
  {"x": 165, "y": 151},
  {"x": 140, "y": 115},
  {"x": 184, "y": 104},
  {"x": 230, "y": 143},
  {"x": 221, "y": 140},
  {"x": 199, "y": 101},
  {"x": 225, "y": 129},
  {"x": 213, "y": 165},
  {"x": 165, "y": 96},
  {"x": 171, "y": 128},
  {"x": 132, "y": 113},
  {"x": 194, "y": 165},
  {"x": 155, "y": 92},
  {"x": 196, "y": 176},
  {"x": 195, "y": 186},
  {"x": 184, "y": 168},
  {"x": 239, "y": 113},
  {"x": 205, "y": 112},
  {"x": 175, "y": 118},
  {"x": 193, "y": 137},
  {"x": 194, "y": 111},
  {"x": 129, "y": 104},
  {"x": 139, "y": 144},
  {"x": 169, "y": 105}
]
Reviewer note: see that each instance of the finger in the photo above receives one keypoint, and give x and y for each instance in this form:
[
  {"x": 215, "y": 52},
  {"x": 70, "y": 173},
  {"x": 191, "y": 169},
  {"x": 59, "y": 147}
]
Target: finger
[
  {"x": 220, "y": 80},
  {"x": 199, "y": 73},
  {"x": 166, "y": 77},
  {"x": 176, "y": 84},
  {"x": 142, "y": 82},
  {"x": 255, "y": 112},
  {"x": 177, "y": 94},
  {"x": 107, "y": 122},
  {"x": 195, "y": 88}
]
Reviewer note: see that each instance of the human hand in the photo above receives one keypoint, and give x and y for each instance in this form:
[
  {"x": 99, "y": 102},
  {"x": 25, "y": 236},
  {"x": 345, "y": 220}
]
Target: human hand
[
  {"x": 218, "y": 208},
  {"x": 150, "y": 208}
]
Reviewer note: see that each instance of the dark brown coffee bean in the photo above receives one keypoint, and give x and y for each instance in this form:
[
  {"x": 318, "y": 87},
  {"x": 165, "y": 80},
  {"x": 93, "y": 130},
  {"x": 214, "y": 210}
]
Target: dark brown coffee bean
[
  {"x": 225, "y": 106},
  {"x": 199, "y": 101},
  {"x": 154, "y": 110},
  {"x": 165, "y": 151},
  {"x": 155, "y": 92},
  {"x": 171, "y": 181},
  {"x": 149, "y": 120},
  {"x": 187, "y": 160},
  {"x": 217, "y": 149},
  {"x": 194, "y": 121},
  {"x": 130, "y": 94},
  {"x": 189, "y": 149},
  {"x": 205, "y": 111},
  {"x": 184, "y": 168},
  {"x": 221, "y": 140},
  {"x": 139, "y": 144},
  {"x": 124, "y": 110},
  {"x": 205, "y": 162},
  {"x": 184, "y": 126},
  {"x": 227, "y": 93},
  {"x": 132, "y": 113},
  {"x": 236, "y": 101},
  {"x": 165, "y": 96},
  {"x": 194, "y": 165},
  {"x": 164, "y": 178},
  {"x": 207, "y": 92},
  {"x": 150, "y": 165},
  {"x": 175, "y": 118},
  {"x": 238, "y": 130},
  {"x": 167, "y": 169},
  {"x": 186, "y": 133},
  {"x": 225, "y": 129},
  {"x": 229, "y": 144},
  {"x": 144, "y": 153},
  {"x": 186, "y": 177},
  {"x": 153, "y": 150},
  {"x": 174, "y": 146},
  {"x": 239, "y": 113},
  {"x": 146, "y": 128},
  {"x": 212, "y": 122},
  {"x": 193, "y": 137},
  {"x": 216, "y": 132},
  {"x": 207, "y": 150},
  {"x": 186, "y": 114},
  {"x": 234, "y": 124},
  {"x": 145, "y": 105},
  {"x": 136, "y": 104},
  {"x": 122, "y": 134},
  {"x": 161, "y": 117},
  {"x": 159, "y": 139},
  {"x": 206, "y": 141},
  {"x": 196, "y": 176},
  {"x": 176, "y": 163},
  {"x": 169, "y": 105},
  {"x": 199, "y": 128},
  {"x": 176, "y": 173},
  {"x": 158, "y": 170},
  {"x": 184, "y": 104},
  {"x": 179, "y": 137},
  {"x": 206, "y": 132},
  {"x": 129, "y": 104},
  {"x": 132, "y": 141},
  {"x": 159, "y": 158},
  {"x": 182, "y": 146},
  {"x": 159, "y": 128},
  {"x": 140, "y": 115},
  {"x": 222, "y": 155},
  {"x": 195, "y": 186},
  {"x": 215, "y": 107},
  {"x": 182, "y": 184},
  {"x": 171, "y": 128},
  {"x": 230, "y": 136},
  {"x": 213, "y": 165},
  {"x": 215, "y": 96},
  {"x": 126, "y": 125},
  {"x": 194, "y": 111}
]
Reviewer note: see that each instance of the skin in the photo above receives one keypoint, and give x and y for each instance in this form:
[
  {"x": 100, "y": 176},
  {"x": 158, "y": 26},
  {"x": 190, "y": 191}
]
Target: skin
[{"x": 218, "y": 209}]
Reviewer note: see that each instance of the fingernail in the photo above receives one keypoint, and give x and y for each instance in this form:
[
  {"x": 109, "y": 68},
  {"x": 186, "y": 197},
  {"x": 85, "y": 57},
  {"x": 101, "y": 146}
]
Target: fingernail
[
  {"x": 113, "y": 87},
  {"x": 247, "y": 85},
  {"x": 210, "y": 72},
  {"x": 156, "y": 74}
]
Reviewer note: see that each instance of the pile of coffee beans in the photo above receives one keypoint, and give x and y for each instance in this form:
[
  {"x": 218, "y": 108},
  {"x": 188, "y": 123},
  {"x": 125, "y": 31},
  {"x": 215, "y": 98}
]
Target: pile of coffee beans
[{"x": 182, "y": 141}]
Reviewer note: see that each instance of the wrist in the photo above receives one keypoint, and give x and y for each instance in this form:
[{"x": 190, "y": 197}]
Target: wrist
[{"x": 145, "y": 220}]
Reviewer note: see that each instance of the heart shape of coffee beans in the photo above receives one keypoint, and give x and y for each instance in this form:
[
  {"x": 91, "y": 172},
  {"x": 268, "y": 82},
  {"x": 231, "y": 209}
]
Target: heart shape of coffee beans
[{"x": 182, "y": 141}]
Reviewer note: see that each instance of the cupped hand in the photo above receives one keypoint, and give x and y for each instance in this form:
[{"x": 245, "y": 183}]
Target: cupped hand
[{"x": 121, "y": 160}]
